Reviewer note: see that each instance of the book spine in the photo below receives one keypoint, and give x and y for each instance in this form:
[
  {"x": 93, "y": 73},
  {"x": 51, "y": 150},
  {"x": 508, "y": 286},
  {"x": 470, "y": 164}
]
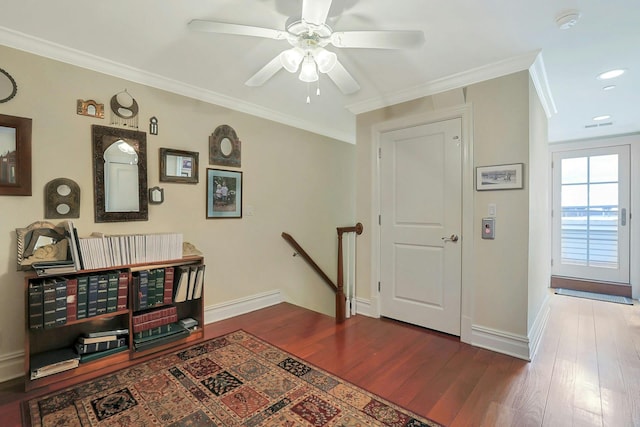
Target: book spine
[
  {"x": 168, "y": 285},
  {"x": 49, "y": 304},
  {"x": 100, "y": 346},
  {"x": 61, "y": 301},
  {"x": 92, "y": 296},
  {"x": 159, "y": 284},
  {"x": 123, "y": 289},
  {"x": 112, "y": 292},
  {"x": 144, "y": 286},
  {"x": 83, "y": 284},
  {"x": 72, "y": 299},
  {"x": 36, "y": 309},
  {"x": 151, "y": 288},
  {"x": 103, "y": 288},
  {"x": 147, "y": 333},
  {"x": 154, "y": 318}
]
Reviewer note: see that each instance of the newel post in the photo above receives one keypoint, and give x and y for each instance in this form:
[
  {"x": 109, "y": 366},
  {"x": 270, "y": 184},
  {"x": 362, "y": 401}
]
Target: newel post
[{"x": 341, "y": 299}]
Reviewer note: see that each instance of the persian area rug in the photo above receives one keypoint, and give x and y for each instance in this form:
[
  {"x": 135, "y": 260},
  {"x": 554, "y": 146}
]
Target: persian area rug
[{"x": 233, "y": 380}]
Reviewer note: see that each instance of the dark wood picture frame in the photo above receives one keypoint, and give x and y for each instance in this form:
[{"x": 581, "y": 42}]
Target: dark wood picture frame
[
  {"x": 102, "y": 138},
  {"x": 187, "y": 159},
  {"x": 15, "y": 165}
]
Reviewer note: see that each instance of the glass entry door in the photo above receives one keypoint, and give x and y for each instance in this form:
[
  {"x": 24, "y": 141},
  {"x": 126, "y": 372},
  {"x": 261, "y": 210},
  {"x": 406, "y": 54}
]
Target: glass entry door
[{"x": 591, "y": 214}]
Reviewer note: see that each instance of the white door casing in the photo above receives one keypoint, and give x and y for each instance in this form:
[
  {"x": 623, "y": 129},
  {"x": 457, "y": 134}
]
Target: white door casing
[{"x": 421, "y": 220}]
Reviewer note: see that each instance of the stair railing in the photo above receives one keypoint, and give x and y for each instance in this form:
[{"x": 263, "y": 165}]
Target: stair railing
[{"x": 338, "y": 288}]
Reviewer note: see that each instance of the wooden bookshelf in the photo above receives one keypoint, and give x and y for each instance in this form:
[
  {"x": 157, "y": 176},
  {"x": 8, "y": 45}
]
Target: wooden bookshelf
[{"x": 65, "y": 335}]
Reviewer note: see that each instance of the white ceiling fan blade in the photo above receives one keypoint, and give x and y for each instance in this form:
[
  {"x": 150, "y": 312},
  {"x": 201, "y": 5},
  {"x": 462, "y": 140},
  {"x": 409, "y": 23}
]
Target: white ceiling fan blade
[
  {"x": 341, "y": 77},
  {"x": 378, "y": 39},
  {"x": 265, "y": 73},
  {"x": 315, "y": 11},
  {"x": 242, "y": 30}
]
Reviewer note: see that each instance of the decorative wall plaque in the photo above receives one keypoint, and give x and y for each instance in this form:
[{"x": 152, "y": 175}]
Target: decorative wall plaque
[
  {"x": 90, "y": 108},
  {"x": 62, "y": 199},
  {"x": 224, "y": 147}
]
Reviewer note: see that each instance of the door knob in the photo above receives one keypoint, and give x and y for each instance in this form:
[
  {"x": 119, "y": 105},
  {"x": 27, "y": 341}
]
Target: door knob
[{"x": 452, "y": 238}]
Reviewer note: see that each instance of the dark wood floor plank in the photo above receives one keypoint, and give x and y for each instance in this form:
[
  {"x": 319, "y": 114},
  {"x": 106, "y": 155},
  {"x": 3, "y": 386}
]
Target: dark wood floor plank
[{"x": 586, "y": 372}]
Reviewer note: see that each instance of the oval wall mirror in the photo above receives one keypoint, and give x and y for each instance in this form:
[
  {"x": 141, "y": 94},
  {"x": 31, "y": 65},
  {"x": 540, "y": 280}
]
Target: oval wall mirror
[{"x": 8, "y": 86}]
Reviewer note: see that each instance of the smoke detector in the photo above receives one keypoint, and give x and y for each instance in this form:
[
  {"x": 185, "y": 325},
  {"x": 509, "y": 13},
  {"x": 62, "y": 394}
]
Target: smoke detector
[{"x": 567, "y": 19}]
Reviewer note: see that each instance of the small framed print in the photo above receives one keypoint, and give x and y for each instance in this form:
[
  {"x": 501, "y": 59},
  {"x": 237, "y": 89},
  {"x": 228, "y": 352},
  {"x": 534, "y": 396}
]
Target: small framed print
[
  {"x": 499, "y": 177},
  {"x": 224, "y": 194}
]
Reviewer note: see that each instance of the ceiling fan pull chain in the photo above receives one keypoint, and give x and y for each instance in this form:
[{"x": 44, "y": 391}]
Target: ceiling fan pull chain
[
  {"x": 318, "y": 88},
  {"x": 308, "y": 97}
]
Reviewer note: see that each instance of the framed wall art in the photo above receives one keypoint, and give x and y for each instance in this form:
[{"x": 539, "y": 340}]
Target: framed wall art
[
  {"x": 15, "y": 156},
  {"x": 224, "y": 194},
  {"x": 499, "y": 177}
]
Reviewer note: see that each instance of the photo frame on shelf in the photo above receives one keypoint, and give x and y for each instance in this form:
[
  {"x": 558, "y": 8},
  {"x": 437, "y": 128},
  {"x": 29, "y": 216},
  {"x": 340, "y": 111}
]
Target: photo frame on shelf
[
  {"x": 499, "y": 177},
  {"x": 224, "y": 194}
]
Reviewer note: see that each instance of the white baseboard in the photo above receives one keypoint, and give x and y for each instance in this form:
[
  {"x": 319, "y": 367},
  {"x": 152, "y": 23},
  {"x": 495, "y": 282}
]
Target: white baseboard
[
  {"x": 11, "y": 366},
  {"x": 501, "y": 342},
  {"x": 363, "y": 307},
  {"x": 538, "y": 327},
  {"x": 226, "y": 310}
]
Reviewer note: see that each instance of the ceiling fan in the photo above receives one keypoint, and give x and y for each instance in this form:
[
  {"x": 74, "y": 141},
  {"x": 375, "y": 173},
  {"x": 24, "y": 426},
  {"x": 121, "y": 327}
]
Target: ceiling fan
[{"x": 308, "y": 38}]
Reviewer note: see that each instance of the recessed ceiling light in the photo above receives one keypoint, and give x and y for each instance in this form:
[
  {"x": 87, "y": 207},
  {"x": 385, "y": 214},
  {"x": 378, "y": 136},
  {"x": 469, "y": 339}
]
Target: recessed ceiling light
[
  {"x": 603, "y": 117},
  {"x": 610, "y": 87},
  {"x": 567, "y": 19},
  {"x": 611, "y": 74}
]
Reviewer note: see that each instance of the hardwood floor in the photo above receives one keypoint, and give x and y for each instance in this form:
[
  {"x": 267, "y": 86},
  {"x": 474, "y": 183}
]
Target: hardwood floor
[{"x": 586, "y": 372}]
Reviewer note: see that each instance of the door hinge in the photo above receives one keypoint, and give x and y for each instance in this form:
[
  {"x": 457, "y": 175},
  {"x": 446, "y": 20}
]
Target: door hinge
[
  {"x": 379, "y": 219},
  {"x": 378, "y": 286},
  {"x": 551, "y": 262},
  {"x": 379, "y": 152}
]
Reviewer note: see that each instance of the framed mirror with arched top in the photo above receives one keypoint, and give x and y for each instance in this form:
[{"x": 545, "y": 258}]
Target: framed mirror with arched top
[
  {"x": 119, "y": 174},
  {"x": 224, "y": 147}
]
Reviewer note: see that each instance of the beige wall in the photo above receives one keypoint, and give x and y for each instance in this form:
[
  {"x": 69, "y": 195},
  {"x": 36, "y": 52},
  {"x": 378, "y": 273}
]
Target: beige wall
[
  {"x": 296, "y": 181},
  {"x": 501, "y": 136},
  {"x": 497, "y": 283}
]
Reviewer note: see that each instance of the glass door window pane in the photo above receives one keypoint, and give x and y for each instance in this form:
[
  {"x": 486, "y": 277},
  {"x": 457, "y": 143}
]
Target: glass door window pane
[{"x": 589, "y": 201}]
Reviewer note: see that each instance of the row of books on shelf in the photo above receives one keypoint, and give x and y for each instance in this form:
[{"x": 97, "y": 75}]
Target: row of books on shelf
[
  {"x": 105, "y": 251},
  {"x": 94, "y": 346},
  {"x": 54, "y": 301},
  {"x": 162, "y": 286},
  {"x": 87, "y": 348}
]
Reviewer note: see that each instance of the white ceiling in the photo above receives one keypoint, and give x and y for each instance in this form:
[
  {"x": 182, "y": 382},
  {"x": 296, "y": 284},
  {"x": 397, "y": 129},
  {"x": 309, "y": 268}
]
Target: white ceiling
[{"x": 148, "y": 41}]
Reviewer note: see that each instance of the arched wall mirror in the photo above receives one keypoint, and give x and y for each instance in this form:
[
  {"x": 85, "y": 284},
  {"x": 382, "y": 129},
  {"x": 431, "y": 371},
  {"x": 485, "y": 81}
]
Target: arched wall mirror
[{"x": 119, "y": 174}]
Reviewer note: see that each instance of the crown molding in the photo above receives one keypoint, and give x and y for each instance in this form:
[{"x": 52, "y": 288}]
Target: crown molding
[
  {"x": 47, "y": 49},
  {"x": 538, "y": 74},
  {"x": 454, "y": 81}
]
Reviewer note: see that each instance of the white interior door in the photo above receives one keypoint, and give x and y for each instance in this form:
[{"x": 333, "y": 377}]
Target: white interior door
[
  {"x": 591, "y": 215},
  {"x": 421, "y": 217}
]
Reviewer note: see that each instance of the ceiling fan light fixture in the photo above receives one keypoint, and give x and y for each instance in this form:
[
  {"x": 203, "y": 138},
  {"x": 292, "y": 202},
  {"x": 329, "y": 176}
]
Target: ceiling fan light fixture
[
  {"x": 326, "y": 60},
  {"x": 308, "y": 73},
  {"x": 291, "y": 59}
]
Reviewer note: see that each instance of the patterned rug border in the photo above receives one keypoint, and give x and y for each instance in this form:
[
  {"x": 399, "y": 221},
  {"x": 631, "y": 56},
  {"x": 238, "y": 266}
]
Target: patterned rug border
[{"x": 381, "y": 410}]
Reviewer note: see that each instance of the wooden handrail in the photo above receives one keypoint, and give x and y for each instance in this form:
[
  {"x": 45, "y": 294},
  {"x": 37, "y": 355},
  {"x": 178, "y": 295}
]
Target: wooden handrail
[
  {"x": 339, "y": 288},
  {"x": 306, "y": 257}
]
